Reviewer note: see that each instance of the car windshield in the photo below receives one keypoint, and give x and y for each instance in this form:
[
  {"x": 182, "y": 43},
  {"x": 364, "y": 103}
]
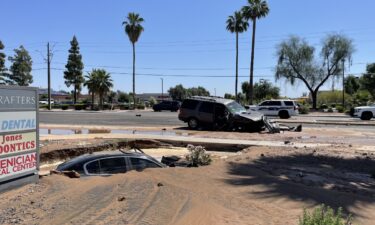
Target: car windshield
[{"x": 234, "y": 107}]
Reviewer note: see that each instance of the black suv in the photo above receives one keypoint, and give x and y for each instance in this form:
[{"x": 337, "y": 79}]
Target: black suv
[
  {"x": 219, "y": 113},
  {"x": 172, "y": 106}
]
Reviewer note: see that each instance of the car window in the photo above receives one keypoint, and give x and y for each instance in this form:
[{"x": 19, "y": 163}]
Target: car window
[
  {"x": 189, "y": 104},
  {"x": 141, "y": 164},
  {"x": 289, "y": 103},
  {"x": 93, "y": 167},
  {"x": 234, "y": 107},
  {"x": 206, "y": 107},
  {"x": 112, "y": 165},
  {"x": 275, "y": 103},
  {"x": 264, "y": 103}
]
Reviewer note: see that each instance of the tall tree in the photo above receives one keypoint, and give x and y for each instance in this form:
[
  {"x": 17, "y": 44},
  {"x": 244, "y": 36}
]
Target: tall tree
[
  {"x": 296, "y": 61},
  {"x": 351, "y": 84},
  {"x": 133, "y": 28},
  {"x": 3, "y": 69},
  {"x": 368, "y": 80},
  {"x": 262, "y": 90},
  {"x": 237, "y": 24},
  {"x": 91, "y": 86},
  {"x": 20, "y": 70},
  {"x": 256, "y": 9},
  {"x": 197, "y": 91},
  {"x": 73, "y": 74},
  {"x": 178, "y": 92}
]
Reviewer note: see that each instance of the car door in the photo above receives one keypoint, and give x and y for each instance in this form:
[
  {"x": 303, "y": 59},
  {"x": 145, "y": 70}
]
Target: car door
[
  {"x": 263, "y": 108},
  {"x": 206, "y": 112},
  {"x": 274, "y": 108},
  {"x": 139, "y": 164}
]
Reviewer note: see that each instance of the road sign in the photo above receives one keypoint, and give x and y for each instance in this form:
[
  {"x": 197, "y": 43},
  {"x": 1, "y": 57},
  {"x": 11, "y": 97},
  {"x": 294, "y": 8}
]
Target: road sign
[{"x": 19, "y": 136}]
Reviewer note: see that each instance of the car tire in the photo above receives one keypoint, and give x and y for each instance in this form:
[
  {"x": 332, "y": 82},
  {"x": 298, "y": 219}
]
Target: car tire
[
  {"x": 284, "y": 114},
  {"x": 366, "y": 116},
  {"x": 193, "y": 123}
]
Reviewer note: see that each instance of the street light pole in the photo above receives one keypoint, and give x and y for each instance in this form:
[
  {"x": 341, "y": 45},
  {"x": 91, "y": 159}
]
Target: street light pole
[
  {"x": 162, "y": 88},
  {"x": 343, "y": 83}
]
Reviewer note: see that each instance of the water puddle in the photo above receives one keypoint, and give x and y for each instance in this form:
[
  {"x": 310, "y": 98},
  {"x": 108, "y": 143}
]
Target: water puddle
[{"x": 45, "y": 131}]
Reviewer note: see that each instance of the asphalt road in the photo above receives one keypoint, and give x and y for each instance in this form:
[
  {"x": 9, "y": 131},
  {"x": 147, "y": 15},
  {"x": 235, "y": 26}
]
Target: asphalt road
[
  {"x": 121, "y": 118},
  {"x": 150, "y": 118}
]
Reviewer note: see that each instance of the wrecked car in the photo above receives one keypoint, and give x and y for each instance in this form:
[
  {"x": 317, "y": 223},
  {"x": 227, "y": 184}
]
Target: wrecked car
[
  {"x": 225, "y": 114},
  {"x": 107, "y": 164}
]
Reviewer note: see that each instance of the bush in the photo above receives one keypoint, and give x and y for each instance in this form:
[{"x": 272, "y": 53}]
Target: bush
[
  {"x": 124, "y": 107},
  {"x": 198, "y": 156},
  {"x": 330, "y": 110},
  {"x": 323, "y": 215},
  {"x": 64, "y": 107},
  {"x": 303, "y": 109},
  {"x": 323, "y": 106},
  {"x": 140, "y": 106},
  {"x": 340, "y": 109},
  {"x": 79, "y": 106}
]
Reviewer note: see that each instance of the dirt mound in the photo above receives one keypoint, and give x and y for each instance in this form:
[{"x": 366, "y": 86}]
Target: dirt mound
[{"x": 261, "y": 186}]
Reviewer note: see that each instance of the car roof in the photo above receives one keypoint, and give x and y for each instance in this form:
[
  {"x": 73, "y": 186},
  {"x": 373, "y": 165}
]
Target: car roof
[
  {"x": 94, "y": 156},
  {"x": 211, "y": 99}
]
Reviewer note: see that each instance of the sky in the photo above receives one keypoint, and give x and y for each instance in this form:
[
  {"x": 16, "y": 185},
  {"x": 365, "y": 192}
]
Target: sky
[{"x": 184, "y": 42}]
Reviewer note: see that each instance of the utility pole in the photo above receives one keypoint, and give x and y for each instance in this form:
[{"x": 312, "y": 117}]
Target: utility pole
[
  {"x": 162, "y": 89},
  {"x": 49, "y": 75},
  {"x": 343, "y": 83}
]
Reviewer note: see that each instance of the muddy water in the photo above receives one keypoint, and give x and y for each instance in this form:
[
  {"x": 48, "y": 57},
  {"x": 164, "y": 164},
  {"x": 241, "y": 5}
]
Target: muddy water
[{"x": 45, "y": 131}]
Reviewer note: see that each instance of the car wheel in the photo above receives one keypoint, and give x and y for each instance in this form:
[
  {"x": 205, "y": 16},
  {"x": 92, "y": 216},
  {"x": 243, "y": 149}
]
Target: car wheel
[
  {"x": 284, "y": 115},
  {"x": 193, "y": 123},
  {"x": 366, "y": 116}
]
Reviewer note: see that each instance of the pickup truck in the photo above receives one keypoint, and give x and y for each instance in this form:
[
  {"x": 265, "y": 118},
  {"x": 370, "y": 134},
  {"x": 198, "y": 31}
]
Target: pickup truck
[{"x": 365, "y": 112}]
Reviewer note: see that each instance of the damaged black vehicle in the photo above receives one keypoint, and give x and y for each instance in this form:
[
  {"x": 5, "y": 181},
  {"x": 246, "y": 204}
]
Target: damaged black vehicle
[{"x": 225, "y": 114}]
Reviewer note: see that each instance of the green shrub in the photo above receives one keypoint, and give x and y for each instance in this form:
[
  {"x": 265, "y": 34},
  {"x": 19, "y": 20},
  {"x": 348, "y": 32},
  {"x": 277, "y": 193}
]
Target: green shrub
[
  {"x": 323, "y": 106},
  {"x": 330, "y": 110},
  {"x": 304, "y": 109},
  {"x": 323, "y": 215},
  {"x": 107, "y": 106},
  {"x": 340, "y": 109},
  {"x": 141, "y": 106},
  {"x": 79, "y": 106},
  {"x": 124, "y": 107},
  {"x": 198, "y": 156},
  {"x": 64, "y": 107}
]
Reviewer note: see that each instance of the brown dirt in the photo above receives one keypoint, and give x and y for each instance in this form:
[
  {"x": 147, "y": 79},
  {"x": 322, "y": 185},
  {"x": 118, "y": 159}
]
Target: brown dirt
[{"x": 261, "y": 186}]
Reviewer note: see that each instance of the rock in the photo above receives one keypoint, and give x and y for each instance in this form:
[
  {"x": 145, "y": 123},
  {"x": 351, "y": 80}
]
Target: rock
[
  {"x": 160, "y": 184},
  {"x": 262, "y": 155},
  {"x": 121, "y": 198},
  {"x": 286, "y": 142}
]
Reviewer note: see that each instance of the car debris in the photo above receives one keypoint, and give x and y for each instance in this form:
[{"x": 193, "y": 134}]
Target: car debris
[{"x": 226, "y": 114}]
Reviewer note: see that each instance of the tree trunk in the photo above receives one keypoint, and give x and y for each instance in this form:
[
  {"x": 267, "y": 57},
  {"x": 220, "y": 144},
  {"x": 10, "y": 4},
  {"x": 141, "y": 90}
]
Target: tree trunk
[
  {"x": 75, "y": 95},
  {"x": 134, "y": 74},
  {"x": 236, "y": 88},
  {"x": 101, "y": 101},
  {"x": 251, "y": 88},
  {"x": 92, "y": 100},
  {"x": 314, "y": 96}
]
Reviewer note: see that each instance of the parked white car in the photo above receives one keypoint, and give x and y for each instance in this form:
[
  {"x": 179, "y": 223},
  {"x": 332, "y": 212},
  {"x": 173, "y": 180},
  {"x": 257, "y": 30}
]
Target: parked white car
[
  {"x": 45, "y": 101},
  {"x": 283, "y": 108},
  {"x": 364, "y": 112}
]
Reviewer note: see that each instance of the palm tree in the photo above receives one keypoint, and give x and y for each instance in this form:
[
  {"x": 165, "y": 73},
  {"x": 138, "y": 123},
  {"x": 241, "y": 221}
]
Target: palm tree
[
  {"x": 90, "y": 83},
  {"x": 133, "y": 29},
  {"x": 100, "y": 82},
  {"x": 237, "y": 24},
  {"x": 256, "y": 9}
]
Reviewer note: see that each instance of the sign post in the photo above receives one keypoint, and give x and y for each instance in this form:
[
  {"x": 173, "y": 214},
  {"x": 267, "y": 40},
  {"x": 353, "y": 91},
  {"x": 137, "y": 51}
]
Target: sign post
[{"x": 19, "y": 136}]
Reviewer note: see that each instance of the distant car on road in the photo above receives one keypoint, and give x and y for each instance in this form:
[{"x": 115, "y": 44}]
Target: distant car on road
[
  {"x": 281, "y": 108},
  {"x": 218, "y": 113},
  {"x": 172, "y": 106},
  {"x": 45, "y": 101},
  {"x": 364, "y": 112},
  {"x": 111, "y": 163}
]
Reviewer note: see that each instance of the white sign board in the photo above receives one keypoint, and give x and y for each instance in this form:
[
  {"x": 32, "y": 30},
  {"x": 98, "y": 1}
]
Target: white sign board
[{"x": 19, "y": 136}]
